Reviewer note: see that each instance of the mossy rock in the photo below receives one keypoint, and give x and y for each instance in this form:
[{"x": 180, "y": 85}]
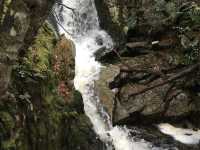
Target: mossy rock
[
  {"x": 39, "y": 54},
  {"x": 8, "y": 120}
]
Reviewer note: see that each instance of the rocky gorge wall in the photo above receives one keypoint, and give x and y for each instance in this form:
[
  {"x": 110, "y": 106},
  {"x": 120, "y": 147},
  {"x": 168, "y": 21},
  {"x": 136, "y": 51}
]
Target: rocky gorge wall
[{"x": 152, "y": 74}]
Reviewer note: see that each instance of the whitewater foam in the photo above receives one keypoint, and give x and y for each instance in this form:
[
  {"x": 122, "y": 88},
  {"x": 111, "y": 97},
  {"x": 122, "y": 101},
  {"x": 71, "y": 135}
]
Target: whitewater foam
[{"x": 186, "y": 136}]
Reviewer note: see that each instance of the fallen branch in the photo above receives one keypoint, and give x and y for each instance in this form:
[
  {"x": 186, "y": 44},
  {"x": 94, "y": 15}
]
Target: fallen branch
[
  {"x": 72, "y": 9},
  {"x": 59, "y": 23},
  {"x": 137, "y": 45},
  {"x": 170, "y": 79},
  {"x": 126, "y": 68}
]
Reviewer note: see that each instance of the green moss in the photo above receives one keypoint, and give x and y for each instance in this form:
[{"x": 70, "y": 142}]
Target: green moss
[
  {"x": 9, "y": 145},
  {"x": 8, "y": 120},
  {"x": 8, "y": 124},
  {"x": 190, "y": 16},
  {"x": 191, "y": 56},
  {"x": 195, "y": 14},
  {"x": 40, "y": 52}
]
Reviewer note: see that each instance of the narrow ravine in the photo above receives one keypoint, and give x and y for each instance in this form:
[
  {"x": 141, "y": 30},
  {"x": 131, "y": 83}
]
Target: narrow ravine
[{"x": 82, "y": 27}]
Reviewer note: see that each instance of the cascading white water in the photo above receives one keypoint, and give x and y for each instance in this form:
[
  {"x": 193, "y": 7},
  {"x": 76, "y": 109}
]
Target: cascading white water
[{"x": 83, "y": 28}]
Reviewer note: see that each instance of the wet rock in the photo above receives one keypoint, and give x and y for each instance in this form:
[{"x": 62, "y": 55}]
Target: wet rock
[
  {"x": 99, "y": 41},
  {"x": 112, "y": 17},
  {"x": 100, "y": 53},
  {"x": 104, "y": 55},
  {"x": 153, "y": 102},
  {"x": 106, "y": 95}
]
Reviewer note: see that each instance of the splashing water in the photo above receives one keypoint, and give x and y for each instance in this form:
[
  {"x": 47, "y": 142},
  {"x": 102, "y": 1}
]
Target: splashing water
[
  {"x": 83, "y": 28},
  {"x": 186, "y": 136}
]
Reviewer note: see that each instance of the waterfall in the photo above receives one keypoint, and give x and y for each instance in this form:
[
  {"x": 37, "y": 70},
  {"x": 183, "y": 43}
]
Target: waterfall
[{"x": 82, "y": 25}]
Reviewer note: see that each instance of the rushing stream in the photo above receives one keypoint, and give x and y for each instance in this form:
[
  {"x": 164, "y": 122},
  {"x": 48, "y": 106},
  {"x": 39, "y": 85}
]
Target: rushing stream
[{"x": 82, "y": 26}]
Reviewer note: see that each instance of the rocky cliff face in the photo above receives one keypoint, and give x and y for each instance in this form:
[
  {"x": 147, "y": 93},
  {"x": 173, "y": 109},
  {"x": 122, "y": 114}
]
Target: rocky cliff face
[
  {"x": 39, "y": 108},
  {"x": 19, "y": 23},
  {"x": 154, "y": 76}
]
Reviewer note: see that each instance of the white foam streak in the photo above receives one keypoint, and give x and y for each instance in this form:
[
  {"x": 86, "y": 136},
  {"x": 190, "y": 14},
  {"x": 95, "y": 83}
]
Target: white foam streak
[
  {"x": 122, "y": 140},
  {"x": 186, "y": 136}
]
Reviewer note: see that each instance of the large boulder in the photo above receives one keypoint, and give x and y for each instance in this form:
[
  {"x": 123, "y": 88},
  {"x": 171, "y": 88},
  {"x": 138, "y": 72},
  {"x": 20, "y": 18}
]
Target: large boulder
[{"x": 142, "y": 91}]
